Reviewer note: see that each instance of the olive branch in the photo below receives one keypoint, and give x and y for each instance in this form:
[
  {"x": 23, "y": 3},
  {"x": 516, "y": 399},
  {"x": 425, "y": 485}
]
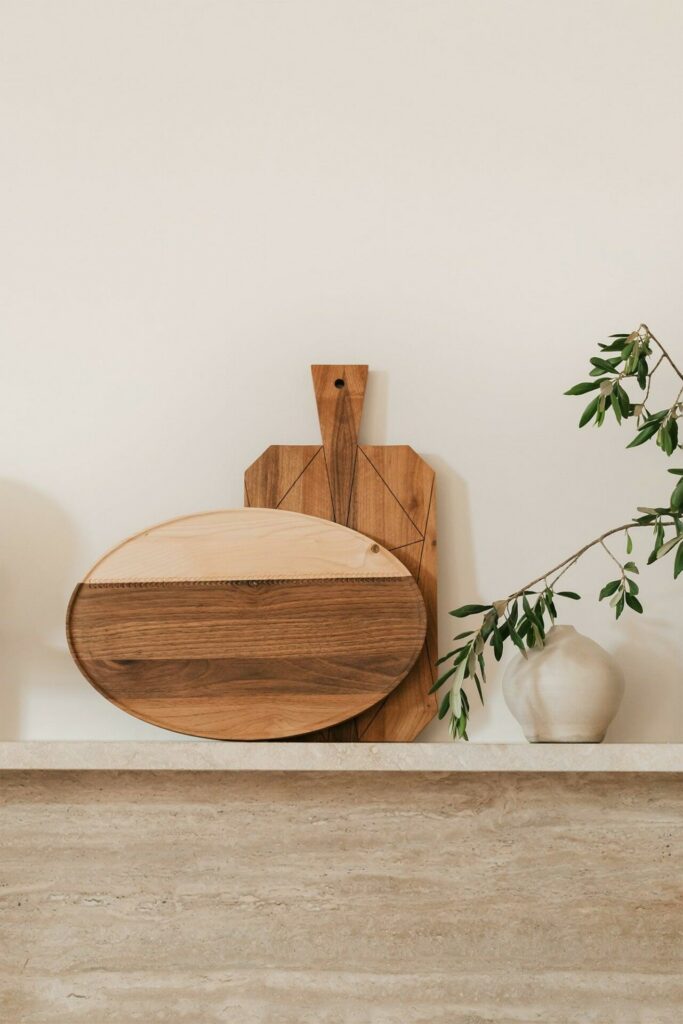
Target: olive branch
[{"x": 525, "y": 615}]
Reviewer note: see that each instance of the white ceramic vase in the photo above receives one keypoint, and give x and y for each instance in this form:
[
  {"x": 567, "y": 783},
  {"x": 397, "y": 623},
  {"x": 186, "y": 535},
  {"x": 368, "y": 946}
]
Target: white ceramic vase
[{"x": 566, "y": 692}]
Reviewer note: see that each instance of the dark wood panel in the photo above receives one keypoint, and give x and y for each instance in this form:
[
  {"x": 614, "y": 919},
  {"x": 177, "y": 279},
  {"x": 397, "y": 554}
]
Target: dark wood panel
[
  {"x": 247, "y": 660},
  {"x": 213, "y": 677},
  {"x": 339, "y": 394}
]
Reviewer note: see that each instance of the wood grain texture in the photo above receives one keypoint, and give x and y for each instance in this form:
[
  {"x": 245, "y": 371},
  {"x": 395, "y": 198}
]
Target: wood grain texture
[
  {"x": 339, "y": 395},
  {"x": 406, "y": 711},
  {"x": 280, "y": 479},
  {"x": 336, "y": 898},
  {"x": 184, "y": 626},
  {"x": 385, "y": 492},
  {"x": 244, "y": 544}
]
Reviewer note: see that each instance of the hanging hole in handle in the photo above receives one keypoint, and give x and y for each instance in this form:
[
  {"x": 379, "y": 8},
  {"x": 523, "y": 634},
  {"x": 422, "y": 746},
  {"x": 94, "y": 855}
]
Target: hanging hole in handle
[{"x": 339, "y": 383}]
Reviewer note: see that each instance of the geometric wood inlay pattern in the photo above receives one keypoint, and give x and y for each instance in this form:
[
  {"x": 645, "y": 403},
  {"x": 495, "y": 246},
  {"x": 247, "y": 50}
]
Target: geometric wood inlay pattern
[{"x": 386, "y": 492}]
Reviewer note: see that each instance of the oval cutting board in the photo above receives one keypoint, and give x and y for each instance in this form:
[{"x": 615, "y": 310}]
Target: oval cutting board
[{"x": 246, "y": 624}]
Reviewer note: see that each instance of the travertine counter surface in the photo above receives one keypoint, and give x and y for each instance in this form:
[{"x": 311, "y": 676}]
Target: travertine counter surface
[
  {"x": 209, "y": 755},
  {"x": 194, "y": 883}
]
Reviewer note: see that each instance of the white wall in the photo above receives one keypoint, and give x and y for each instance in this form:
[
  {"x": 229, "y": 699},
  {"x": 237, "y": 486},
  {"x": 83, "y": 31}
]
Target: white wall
[{"x": 200, "y": 199}]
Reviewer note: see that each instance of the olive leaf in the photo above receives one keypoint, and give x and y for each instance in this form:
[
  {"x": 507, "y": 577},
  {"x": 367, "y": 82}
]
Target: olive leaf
[
  {"x": 648, "y": 431},
  {"x": 470, "y": 609},
  {"x": 677, "y": 496},
  {"x": 609, "y": 589},
  {"x": 584, "y": 388},
  {"x": 678, "y": 562}
]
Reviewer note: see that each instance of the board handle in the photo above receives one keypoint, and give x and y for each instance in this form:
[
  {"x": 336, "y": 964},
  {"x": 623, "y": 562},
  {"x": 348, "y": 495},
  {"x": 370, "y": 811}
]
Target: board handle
[{"x": 339, "y": 395}]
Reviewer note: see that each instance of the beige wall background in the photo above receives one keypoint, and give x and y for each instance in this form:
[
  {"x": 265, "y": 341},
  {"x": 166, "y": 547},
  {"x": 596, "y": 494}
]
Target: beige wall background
[{"x": 199, "y": 199}]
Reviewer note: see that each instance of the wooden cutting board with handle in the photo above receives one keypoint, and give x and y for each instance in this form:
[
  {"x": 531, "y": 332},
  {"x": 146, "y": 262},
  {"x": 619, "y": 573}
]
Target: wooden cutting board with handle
[
  {"x": 246, "y": 624},
  {"x": 385, "y": 492}
]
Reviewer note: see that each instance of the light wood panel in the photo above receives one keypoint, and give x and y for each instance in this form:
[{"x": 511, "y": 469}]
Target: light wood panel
[
  {"x": 340, "y": 898},
  {"x": 246, "y": 624},
  {"x": 244, "y": 544},
  {"x": 385, "y": 492}
]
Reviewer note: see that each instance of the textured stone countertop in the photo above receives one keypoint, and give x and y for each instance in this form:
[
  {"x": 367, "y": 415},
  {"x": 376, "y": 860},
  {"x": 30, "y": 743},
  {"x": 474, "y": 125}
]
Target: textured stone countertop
[{"x": 210, "y": 755}]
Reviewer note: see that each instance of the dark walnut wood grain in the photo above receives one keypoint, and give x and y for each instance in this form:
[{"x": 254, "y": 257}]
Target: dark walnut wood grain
[
  {"x": 246, "y": 661},
  {"x": 339, "y": 394},
  {"x": 250, "y": 659},
  {"x": 385, "y": 492}
]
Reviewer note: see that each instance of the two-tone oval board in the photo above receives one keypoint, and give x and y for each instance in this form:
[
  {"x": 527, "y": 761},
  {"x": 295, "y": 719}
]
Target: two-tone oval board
[{"x": 246, "y": 624}]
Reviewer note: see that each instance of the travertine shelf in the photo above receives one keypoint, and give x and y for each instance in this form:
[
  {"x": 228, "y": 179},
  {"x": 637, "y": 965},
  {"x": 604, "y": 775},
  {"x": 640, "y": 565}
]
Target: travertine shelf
[
  {"x": 294, "y": 882},
  {"x": 203, "y": 755}
]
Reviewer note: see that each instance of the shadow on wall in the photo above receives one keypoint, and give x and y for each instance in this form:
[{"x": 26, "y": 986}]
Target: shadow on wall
[
  {"x": 652, "y": 708},
  {"x": 37, "y": 548}
]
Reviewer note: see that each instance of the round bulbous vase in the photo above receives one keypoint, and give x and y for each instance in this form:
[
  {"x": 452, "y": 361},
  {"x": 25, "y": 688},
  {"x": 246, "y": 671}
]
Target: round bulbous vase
[{"x": 565, "y": 692}]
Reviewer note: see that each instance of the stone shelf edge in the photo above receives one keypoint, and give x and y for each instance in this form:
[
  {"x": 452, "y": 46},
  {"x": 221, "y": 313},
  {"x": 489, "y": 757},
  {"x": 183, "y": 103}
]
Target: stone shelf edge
[{"x": 209, "y": 755}]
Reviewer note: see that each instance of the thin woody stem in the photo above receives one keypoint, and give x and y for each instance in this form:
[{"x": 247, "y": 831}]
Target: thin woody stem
[
  {"x": 567, "y": 563},
  {"x": 563, "y": 571},
  {"x": 613, "y": 557},
  {"x": 666, "y": 355},
  {"x": 649, "y": 380}
]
